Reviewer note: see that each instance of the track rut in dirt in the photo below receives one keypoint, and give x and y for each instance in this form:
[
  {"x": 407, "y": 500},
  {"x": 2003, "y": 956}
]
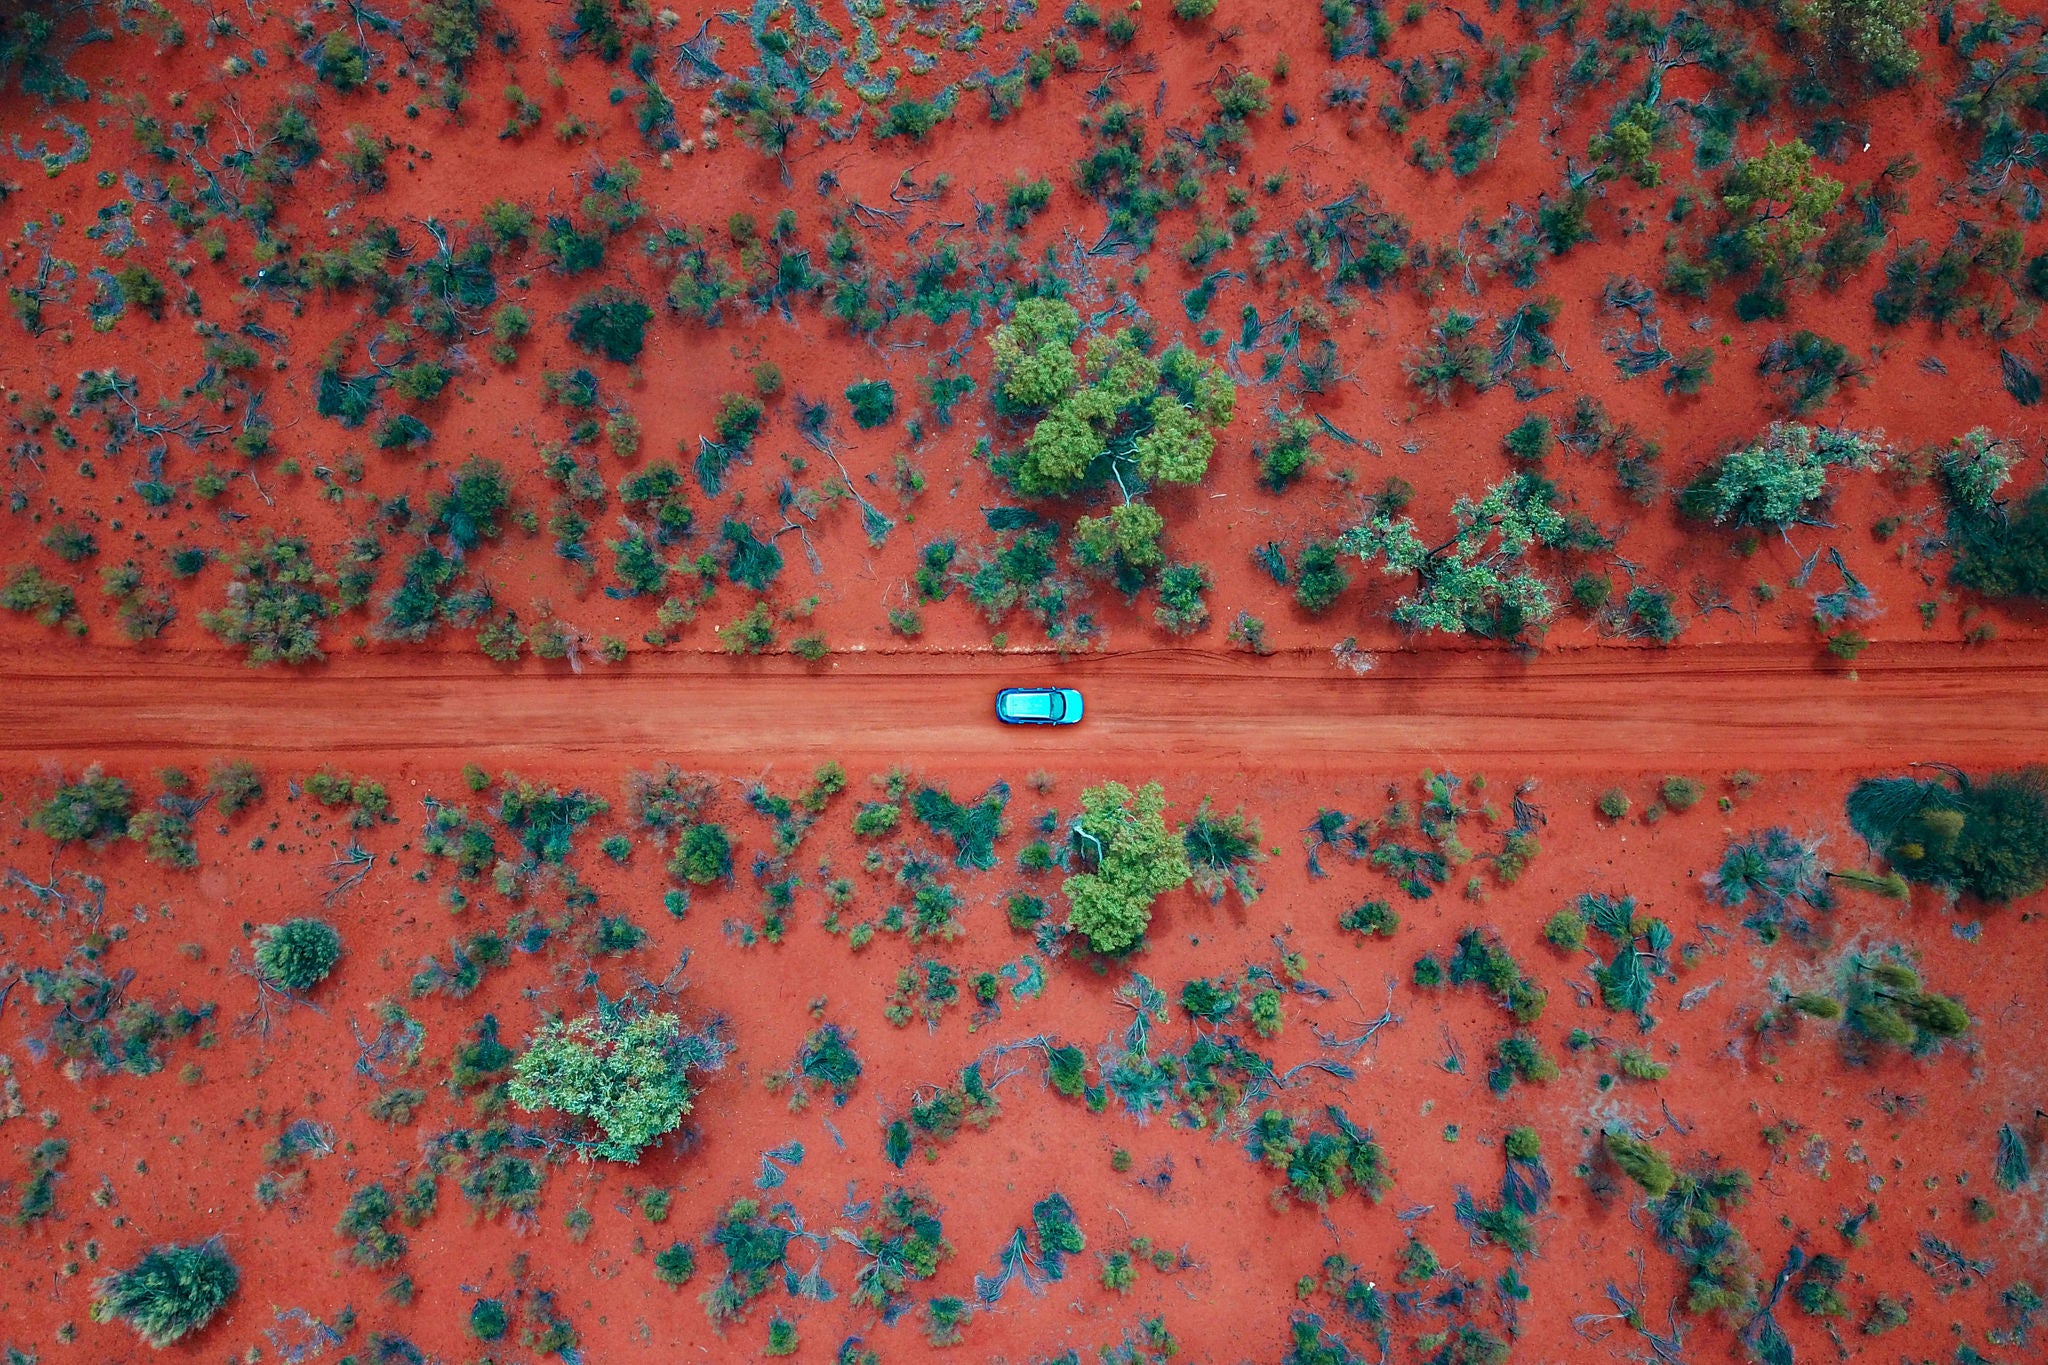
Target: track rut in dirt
[{"x": 1587, "y": 710}]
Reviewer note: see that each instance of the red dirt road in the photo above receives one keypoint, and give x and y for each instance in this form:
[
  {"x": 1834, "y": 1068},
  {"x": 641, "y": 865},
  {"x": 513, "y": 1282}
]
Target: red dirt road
[{"x": 1580, "y": 710}]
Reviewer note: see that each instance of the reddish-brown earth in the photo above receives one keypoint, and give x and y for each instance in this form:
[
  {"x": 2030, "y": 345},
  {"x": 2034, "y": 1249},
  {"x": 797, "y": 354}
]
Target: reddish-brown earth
[{"x": 1746, "y": 700}]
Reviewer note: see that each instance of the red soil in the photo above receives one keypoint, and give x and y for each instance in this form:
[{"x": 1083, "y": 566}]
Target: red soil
[{"x": 1747, "y": 689}]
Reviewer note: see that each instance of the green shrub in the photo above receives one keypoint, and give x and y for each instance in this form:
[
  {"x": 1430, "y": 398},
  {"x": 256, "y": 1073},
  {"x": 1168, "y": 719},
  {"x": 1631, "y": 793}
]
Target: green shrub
[
  {"x": 94, "y": 808},
  {"x": 676, "y": 1265},
  {"x": 629, "y": 1077},
  {"x": 488, "y": 1320},
  {"x": 1565, "y": 930},
  {"x": 1371, "y": 919},
  {"x": 610, "y": 322},
  {"x": 1639, "y": 1161},
  {"x": 873, "y": 402},
  {"x": 703, "y": 856},
  {"x": 171, "y": 1292},
  {"x": 1986, "y": 836},
  {"x": 1530, "y": 440},
  {"x": 298, "y": 954},
  {"x": 1136, "y": 860}
]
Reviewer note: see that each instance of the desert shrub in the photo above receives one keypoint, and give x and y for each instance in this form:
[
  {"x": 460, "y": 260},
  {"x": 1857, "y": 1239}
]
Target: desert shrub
[
  {"x": 1565, "y": 930},
  {"x": 171, "y": 1292},
  {"x": 1884, "y": 1003},
  {"x": 1319, "y": 577},
  {"x": 610, "y": 322},
  {"x": 298, "y": 954},
  {"x": 1371, "y": 919},
  {"x": 1321, "y": 1164},
  {"x": 1183, "y": 607},
  {"x": 2001, "y": 551},
  {"x": 1774, "y": 482},
  {"x": 828, "y": 1061},
  {"x": 1531, "y": 439},
  {"x": 1221, "y": 852},
  {"x": 873, "y": 402},
  {"x": 488, "y": 1320},
  {"x": 1136, "y": 860},
  {"x": 1770, "y": 871},
  {"x": 676, "y": 1264},
  {"x": 95, "y": 808},
  {"x": 1639, "y": 1161},
  {"x": 1987, "y": 837},
  {"x": 1483, "y": 960},
  {"x": 628, "y": 1076},
  {"x": 703, "y": 856},
  {"x": 755, "y": 1249},
  {"x": 1209, "y": 999},
  {"x": 274, "y": 604}
]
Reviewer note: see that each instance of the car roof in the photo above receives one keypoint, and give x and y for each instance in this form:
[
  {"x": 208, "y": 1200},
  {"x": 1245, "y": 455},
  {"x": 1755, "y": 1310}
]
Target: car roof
[{"x": 1036, "y": 703}]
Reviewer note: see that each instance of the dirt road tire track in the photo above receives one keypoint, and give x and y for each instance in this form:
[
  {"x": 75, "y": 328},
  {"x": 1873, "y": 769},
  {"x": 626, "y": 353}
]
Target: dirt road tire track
[{"x": 1598, "y": 709}]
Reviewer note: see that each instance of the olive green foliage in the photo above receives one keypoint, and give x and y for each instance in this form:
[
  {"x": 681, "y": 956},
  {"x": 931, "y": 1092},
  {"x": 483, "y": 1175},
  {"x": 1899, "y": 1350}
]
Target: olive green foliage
[
  {"x": 1222, "y": 850},
  {"x": 1985, "y": 836},
  {"x": 1780, "y": 201},
  {"x": 274, "y": 604},
  {"x": 755, "y": 1248},
  {"x": 610, "y": 322},
  {"x": 629, "y": 1076},
  {"x": 703, "y": 856},
  {"x": 1639, "y": 1161},
  {"x": 2001, "y": 547},
  {"x": 171, "y": 1292},
  {"x": 298, "y": 954},
  {"x": 905, "y": 1244},
  {"x": 1321, "y": 1163},
  {"x": 1113, "y": 414},
  {"x": 1885, "y": 1003},
  {"x": 1483, "y": 960},
  {"x": 1136, "y": 860},
  {"x": 1776, "y": 482},
  {"x": 1477, "y": 581},
  {"x": 95, "y": 808},
  {"x": 1875, "y": 35}
]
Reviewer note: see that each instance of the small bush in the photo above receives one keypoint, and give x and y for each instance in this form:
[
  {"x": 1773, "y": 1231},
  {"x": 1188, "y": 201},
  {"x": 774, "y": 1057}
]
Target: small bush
[
  {"x": 171, "y": 1292},
  {"x": 298, "y": 954},
  {"x": 610, "y": 322},
  {"x": 1613, "y": 803}
]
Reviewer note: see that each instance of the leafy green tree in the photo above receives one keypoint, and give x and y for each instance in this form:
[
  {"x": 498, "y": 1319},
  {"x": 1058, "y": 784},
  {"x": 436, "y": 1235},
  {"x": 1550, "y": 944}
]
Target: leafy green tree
[
  {"x": 1112, "y": 415},
  {"x": 1775, "y": 481},
  {"x": 1122, "y": 546},
  {"x": 1781, "y": 200},
  {"x": 170, "y": 1293},
  {"x": 1137, "y": 860},
  {"x": 629, "y": 1076},
  {"x": 1476, "y": 580},
  {"x": 1873, "y": 34}
]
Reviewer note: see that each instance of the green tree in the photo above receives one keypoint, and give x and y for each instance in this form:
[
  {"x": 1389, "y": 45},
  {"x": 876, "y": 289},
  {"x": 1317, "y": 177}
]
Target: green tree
[
  {"x": 1781, "y": 200},
  {"x": 1775, "y": 481},
  {"x": 1115, "y": 414},
  {"x": 629, "y": 1076},
  {"x": 1476, "y": 580},
  {"x": 1136, "y": 860},
  {"x": 1873, "y": 34}
]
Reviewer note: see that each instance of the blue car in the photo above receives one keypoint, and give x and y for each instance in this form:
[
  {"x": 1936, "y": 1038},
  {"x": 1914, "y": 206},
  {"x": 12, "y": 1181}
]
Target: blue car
[{"x": 1038, "y": 706}]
